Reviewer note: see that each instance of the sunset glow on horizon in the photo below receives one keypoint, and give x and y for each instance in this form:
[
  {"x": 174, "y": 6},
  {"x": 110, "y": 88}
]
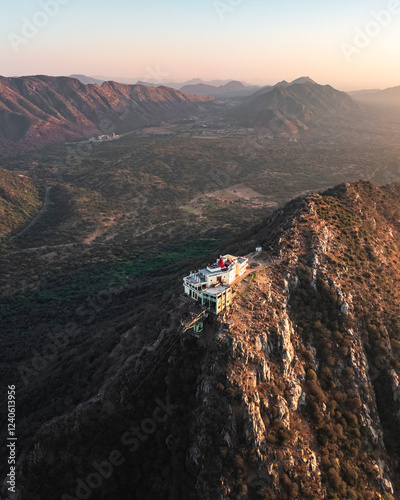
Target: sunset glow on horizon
[{"x": 350, "y": 47}]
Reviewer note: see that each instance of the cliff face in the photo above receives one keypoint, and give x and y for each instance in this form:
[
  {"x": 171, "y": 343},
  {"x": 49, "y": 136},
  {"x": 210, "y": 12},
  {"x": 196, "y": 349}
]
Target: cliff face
[{"x": 292, "y": 393}]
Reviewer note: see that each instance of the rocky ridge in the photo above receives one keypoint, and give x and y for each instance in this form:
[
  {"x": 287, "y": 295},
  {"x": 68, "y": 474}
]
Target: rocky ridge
[{"x": 292, "y": 393}]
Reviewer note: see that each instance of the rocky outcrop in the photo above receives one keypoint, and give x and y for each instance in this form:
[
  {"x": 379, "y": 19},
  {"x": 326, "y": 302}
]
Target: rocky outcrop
[{"x": 308, "y": 386}]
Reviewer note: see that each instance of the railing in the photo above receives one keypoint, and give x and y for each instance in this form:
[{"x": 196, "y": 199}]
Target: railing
[{"x": 193, "y": 322}]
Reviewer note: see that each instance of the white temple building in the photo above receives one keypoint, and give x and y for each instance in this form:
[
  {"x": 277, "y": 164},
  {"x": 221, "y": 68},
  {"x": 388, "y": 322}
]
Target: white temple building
[{"x": 212, "y": 286}]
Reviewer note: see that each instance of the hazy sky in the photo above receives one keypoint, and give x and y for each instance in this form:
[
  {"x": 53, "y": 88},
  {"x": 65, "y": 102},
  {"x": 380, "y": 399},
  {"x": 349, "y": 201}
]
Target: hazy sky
[{"x": 261, "y": 41}]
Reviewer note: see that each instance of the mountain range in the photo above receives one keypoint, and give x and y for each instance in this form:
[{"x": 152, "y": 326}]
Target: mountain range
[
  {"x": 235, "y": 89},
  {"x": 133, "y": 81},
  {"x": 42, "y": 109},
  {"x": 37, "y": 110},
  {"x": 227, "y": 91},
  {"x": 221, "y": 89}
]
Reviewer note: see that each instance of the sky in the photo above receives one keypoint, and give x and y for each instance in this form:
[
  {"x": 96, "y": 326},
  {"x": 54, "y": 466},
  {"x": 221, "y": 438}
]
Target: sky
[{"x": 350, "y": 45}]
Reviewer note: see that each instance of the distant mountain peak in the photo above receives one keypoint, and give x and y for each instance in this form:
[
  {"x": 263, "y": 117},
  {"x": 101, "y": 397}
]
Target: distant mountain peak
[
  {"x": 231, "y": 89},
  {"x": 86, "y": 80},
  {"x": 283, "y": 83},
  {"x": 293, "y": 106},
  {"x": 302, "y": 79}
]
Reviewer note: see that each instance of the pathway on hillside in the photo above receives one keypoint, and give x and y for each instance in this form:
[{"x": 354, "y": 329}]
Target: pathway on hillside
[{"x": 39, "y": 215}]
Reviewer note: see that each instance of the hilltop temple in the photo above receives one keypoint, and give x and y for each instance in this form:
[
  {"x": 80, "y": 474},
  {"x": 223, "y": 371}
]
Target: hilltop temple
[{"x": 211, "y": 287}]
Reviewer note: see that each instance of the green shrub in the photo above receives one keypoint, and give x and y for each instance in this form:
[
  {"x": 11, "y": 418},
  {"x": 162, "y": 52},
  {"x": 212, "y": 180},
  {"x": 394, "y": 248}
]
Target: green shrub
[{"x": 334, "y": 478}]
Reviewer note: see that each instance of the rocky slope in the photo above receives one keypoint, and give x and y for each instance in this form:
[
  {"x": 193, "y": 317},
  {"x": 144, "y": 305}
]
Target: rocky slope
[
  {"x": 37, "y": 110},
  {"x": 292, "y": 393}
]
